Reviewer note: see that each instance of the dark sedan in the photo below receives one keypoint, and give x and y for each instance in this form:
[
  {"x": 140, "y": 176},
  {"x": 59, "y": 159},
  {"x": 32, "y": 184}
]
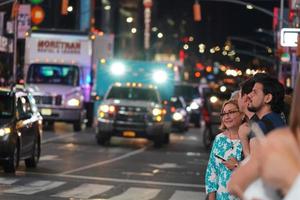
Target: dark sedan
[{"x": 20, "y": 129}]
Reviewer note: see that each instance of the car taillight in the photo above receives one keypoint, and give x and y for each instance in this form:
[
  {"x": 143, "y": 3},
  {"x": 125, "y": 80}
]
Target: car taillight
[
  {"x": 173, "y": 109},
  {"x": 205, "y": 115}
]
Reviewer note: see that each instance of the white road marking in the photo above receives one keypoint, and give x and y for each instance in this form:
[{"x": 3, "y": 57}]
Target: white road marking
[
  {"x": 166, "y": 166},
  {"x": 179, "y": 195},
  {"x": 120, "y": 180},
  {"x": 49, "y": 157},
  {"x": 106, "y": 161},
  {"x": 137, "y": 174},
  {"x": 57, "y": 138},
  {"x": 137, "y": 194},
  {"x": 34, "y": 187},
  {"x": 7, "y": 181},
  {"x": 84, "y": 191},
  {"x": 198, "y": 154}
]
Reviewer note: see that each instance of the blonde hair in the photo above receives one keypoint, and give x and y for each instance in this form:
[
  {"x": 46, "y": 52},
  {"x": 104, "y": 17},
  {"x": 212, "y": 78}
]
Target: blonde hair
[
  {"x": 235, "y": 95},
  {"x": 230, "y": 101}
]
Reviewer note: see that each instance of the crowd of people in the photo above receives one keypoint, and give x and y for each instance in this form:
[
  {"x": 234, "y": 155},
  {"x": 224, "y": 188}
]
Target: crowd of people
[{"x": 256, "y": 156}]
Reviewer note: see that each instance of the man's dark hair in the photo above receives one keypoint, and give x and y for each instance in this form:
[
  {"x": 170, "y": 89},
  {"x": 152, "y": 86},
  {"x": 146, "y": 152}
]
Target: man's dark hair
[
  {"x": 246, "y": 86},
  {"x": 272, "y": 86}
]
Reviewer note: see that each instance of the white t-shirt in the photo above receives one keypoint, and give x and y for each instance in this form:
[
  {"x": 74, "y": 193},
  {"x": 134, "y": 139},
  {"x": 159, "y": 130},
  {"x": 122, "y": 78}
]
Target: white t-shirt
[
  {"x": 259, "y": 190},
  {"x": 294, "y": 192}
]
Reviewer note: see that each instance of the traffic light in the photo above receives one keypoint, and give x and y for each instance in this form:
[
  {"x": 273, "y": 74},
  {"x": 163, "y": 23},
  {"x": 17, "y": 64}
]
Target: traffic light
[
  {"x": 64, "y": 7},
  {"x": 37, "y": 14},
  {"x": 197, "y": 11}
]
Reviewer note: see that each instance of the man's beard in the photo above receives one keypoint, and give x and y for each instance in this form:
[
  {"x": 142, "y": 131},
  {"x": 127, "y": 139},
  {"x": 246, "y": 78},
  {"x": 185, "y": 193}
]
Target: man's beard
[{"x": 253, "y": 109}]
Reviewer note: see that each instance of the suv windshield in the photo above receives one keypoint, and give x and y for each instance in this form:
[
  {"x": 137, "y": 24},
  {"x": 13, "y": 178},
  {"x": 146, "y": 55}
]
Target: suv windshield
[
  {"x": 6, "y": 106},
  {"x": 53, "y": 74},
  {"x": 138, "y": 94}
]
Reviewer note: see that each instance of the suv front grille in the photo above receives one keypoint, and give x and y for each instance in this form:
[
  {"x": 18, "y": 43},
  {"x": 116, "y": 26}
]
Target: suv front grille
[
  {"x": 48, "y": 100},
  {"x": 130, "y": 117}
]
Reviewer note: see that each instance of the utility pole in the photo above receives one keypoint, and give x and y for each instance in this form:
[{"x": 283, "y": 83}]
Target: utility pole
[
  {"x": 279, "y": 70},
  {"x": 16, "y": 10}
]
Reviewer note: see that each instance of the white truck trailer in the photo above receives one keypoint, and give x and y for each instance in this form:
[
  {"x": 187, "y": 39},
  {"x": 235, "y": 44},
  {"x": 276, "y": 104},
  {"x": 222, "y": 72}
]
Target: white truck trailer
[{"x": 59, "y": 70}]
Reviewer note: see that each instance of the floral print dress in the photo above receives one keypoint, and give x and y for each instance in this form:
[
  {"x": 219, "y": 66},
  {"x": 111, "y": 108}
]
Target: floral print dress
[{"x": 217, "y": 174}]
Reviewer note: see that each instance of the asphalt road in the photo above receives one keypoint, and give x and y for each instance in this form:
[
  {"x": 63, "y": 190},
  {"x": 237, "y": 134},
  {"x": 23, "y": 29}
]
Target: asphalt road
[{"x": 73, "y": 166}]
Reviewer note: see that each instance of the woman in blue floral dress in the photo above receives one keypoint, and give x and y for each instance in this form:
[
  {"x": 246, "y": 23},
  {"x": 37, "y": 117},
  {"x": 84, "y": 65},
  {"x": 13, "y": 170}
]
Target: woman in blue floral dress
[{"x": 226, "y": 153}]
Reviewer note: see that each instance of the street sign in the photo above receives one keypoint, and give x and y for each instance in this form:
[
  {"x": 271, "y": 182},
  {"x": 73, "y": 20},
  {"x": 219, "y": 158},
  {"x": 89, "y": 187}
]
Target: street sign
[
  {"x": 289, "y": 37},
  {"x": 24, "y": 21}
]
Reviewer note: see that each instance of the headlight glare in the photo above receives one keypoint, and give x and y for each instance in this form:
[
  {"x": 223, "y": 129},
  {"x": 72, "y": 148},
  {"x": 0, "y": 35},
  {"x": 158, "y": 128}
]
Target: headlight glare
[
  {"x": 160, "y": 76},
  {"x": 73, "y": 102},
  {"x": 194, "y": 106},
  {"x": 117, "y": 69},
  {"x": 104, "y": 108},
  {"x": 156, "y": 111},
  {"x": 213, "y": 99},
  {"x": 4, "y": 131},
  {"x": 177, "y": 116},
  {"x": 107, "y": 108}
]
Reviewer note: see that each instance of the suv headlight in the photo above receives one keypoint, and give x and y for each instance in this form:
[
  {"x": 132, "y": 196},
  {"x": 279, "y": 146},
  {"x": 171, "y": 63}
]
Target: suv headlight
[
  {"x": 156, "y": 111},
  {"x": 194, "y": 106},
  {"x": 157, "y": 114},
  {"x": 177, "y": 116},
  {"x": 5, "y": 131},
  {"x": 73, "y": 102},
  {"x": 106, "y": 110}
]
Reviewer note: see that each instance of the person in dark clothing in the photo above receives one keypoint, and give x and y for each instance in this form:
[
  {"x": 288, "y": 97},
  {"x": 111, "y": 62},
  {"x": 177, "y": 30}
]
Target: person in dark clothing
[{"x": 267, "y": 101}]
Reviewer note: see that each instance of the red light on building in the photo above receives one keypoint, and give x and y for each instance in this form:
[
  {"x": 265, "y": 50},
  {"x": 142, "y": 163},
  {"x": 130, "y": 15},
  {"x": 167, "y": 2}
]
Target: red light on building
[
  {"x": 200, "y": 66},
  {"x": 275, "y": 17},
  {"x": 173, "y": 109},
  {"x": 147, "y": 3},
  {"x": 15, "y": 9},
  {"x": 292, "y": 15},
  {"x": 197, "y": 11},
  {"x": 185, "y": 39},
  {"x": 37, "y": 14},
  {"x": 181, "y": 55},
  {"x": 64, "y": 7},
  {"x": 209, "y": 69},
  {"x": 197, "y": 74}
]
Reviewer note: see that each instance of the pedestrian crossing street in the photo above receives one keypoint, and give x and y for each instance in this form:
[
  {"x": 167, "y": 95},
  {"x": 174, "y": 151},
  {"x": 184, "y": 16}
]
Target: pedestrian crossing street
[{"x": 61, "y": 189}]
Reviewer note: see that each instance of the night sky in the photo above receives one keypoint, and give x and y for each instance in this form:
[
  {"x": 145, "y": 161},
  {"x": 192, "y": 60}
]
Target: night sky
[{"x": 219, "y": 21}]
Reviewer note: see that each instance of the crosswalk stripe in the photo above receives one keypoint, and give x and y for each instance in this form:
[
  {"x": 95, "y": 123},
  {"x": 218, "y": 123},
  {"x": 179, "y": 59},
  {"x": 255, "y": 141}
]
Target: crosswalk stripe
[
  {"x": 84, "y": 191},
  {"x": 137, "y": 194},
  {"x": 7, "y": 181},
  {"x": 179, "y": 195},
  {"x": 34, "y": 187}
]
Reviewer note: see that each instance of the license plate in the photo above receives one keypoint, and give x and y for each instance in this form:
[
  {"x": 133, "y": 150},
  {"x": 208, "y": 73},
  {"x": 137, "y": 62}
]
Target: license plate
[
  {"x": 129, "y": 134},
  {"x": 45, "y": 111}
]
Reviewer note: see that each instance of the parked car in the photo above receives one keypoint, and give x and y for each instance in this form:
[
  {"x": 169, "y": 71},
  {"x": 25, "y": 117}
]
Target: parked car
[
  {"x": 20, "y": 129},
  {"x": 190, "y": 93},
  {"x": 180, "y": 116},
  {"x": 212, "y": 105}
]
